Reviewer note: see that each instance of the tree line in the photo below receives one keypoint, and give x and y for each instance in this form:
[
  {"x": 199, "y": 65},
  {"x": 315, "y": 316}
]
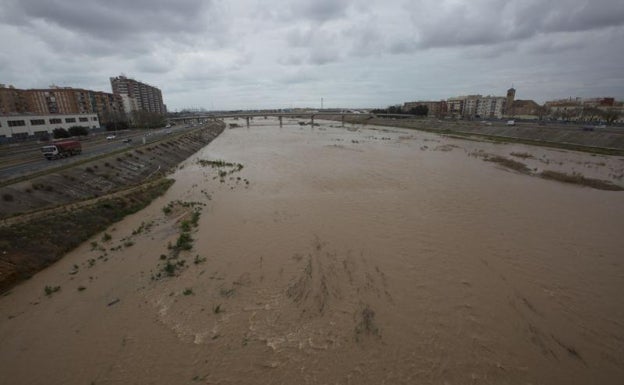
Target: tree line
[
  {"x": 420, "y": 110},
  {"x": 60, "y": 133}
]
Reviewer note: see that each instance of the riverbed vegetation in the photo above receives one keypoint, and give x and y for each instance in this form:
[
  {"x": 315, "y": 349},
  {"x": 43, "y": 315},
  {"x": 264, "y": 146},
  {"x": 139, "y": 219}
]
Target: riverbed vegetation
[
  {"x": 579, "y": 179},
  {"x": 39, "y": 242}
]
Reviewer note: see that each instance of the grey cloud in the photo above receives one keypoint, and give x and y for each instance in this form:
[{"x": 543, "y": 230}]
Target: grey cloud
[
  {"x": 486, "y": 22},
  {"x": 323, "y": 56},
  {"x": 318, "y": 46},
  {"x": 553, "y": 45},
  {"x": 298, "y": 77},
  {"x": 155, "y": 65},
  {"x": 401, "y": 46},
  {"x": 365, "y": 38},
  {"x": 300, "y": 37},
  {"x": 582, "y": 16},
  {"x": 291, "y": 60},
  {"x": 318, "y": 11},
  {"x": 374, "y": 52},
  {"x": 321, "y": 10},
  {"x": 112, "y": 19}
]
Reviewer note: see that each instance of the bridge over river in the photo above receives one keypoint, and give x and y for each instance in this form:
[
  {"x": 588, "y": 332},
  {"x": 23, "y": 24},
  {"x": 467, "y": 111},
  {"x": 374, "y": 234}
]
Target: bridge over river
[{"x": 248, "y": 116}]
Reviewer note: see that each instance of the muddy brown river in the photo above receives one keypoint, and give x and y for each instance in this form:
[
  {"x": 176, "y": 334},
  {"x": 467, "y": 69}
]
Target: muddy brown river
[{"x": 355, "y": 255}]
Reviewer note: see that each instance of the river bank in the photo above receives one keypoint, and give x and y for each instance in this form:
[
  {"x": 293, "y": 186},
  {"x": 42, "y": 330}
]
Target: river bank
[
  {"x": 50, "y": 214},
  {"x": 568, "y": 137}
]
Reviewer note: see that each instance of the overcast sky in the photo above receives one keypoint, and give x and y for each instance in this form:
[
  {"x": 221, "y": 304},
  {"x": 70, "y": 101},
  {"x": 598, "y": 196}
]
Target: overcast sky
[{"x": 243, "y": 54}]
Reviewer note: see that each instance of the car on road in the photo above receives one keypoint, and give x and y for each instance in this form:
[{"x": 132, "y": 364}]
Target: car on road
[
  {"x": 111, "y": 137},
  {"x": 127, "y": 140}
]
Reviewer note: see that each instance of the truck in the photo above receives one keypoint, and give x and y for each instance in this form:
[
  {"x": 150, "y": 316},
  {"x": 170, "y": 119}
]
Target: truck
[{"x": 61, "y": 149}]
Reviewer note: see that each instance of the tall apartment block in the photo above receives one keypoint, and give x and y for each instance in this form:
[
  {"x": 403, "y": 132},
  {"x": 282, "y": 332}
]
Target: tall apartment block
[{"x": 138, "y": 96}]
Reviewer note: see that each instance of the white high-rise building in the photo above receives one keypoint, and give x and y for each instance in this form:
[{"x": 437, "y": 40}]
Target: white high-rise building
[{"x": 138, "y": 96}]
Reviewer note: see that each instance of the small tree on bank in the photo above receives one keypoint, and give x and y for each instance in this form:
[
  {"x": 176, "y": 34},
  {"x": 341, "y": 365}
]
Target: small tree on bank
[
  {"x": 78, "y": 131},
  {"x": 420, "y": 110},
  {"x": 60, "y": 133}
]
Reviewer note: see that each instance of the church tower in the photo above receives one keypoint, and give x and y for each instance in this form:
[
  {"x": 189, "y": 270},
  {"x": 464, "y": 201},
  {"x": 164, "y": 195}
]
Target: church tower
[{"x": 511, "y": 95}]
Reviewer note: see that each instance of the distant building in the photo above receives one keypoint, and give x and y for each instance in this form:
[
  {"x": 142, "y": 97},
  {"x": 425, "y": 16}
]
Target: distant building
[
  {"x": 476, "y": 106},
  {"x": 435, "y": 108},
  {"x": 591, "y": 109},
  {"x": 509, "y": 102},
  {"x": 491, "y": 107},
  {"x": 455, "y": 106},
  {"x": 526, "y": 109},
  {"x": 599, "y": 102},
  {"x": 24, "y": 126},
  {"x": 471, "y": 103},
  {"x": 565, "y": 109},
  {"x": 138, "y": 96}
]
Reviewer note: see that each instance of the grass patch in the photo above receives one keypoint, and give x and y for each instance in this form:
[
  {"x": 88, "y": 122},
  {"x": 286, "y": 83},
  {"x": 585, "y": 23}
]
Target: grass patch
[
  {"x": 144, "y": 227},
  {"x": 49, "y": 290},
  {"x": 195, "y": 218},
  {"x": 199, "y": 260},
  {"x": 185, "y": 226},
  {"x": 170, "y": 268},
  {"x": 579, "y": 179},
  {"x": 218, "y": 163},
  {"x": 187, "y": 291},
  {"x": 523, "y": 155},
  {"x": 184, "y": 242},
  {"x": 508, "y": 163},
  {"x": 367, "y": 324},
  {"x": 227, "y": 293}
]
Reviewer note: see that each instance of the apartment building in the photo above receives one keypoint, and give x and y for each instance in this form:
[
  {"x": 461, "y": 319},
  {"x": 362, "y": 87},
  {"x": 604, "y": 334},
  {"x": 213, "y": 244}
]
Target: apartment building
[
  {"x": 477, "y": 106},
  {"x": 491, "y": 107},
  {"x": 60, "y": 100},
  {"x": 13, "y": 100},
  {"x": 138, "y": 96},
  {"x": 463, "y": 106},
  {"x": 455, "y": 106},
  {"x": 54, "y": 100}
]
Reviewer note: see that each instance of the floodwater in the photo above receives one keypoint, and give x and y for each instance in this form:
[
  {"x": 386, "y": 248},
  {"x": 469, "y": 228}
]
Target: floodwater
[{"x": 356, "y": 255}]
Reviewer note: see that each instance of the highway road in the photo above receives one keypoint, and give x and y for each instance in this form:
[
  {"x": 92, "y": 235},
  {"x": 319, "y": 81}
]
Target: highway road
[{"x": 22, "y": 159}]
